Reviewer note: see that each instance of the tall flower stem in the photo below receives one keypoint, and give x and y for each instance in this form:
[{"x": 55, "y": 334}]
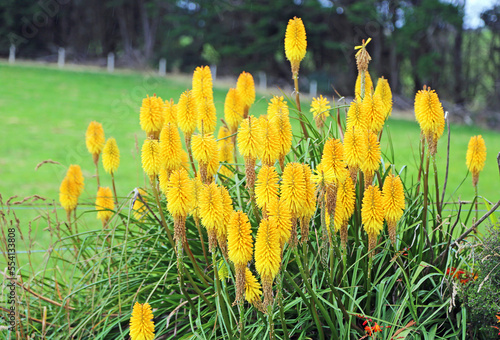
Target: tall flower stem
[
  {"x": 162, "y": 215},
  {"x": 190, "y": 153},
  {"x": 219, "y": 297},
  {"x": 297, "y": 101},
  {"x": 96, "y": 162},
  {"x": 197, "y": 222},
  {"x": 114, "y": 188},
  {"x": 436, "y": 183}
]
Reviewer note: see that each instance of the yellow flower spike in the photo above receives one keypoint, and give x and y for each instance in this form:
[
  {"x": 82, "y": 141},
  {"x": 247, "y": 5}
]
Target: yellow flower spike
[
  {"x": 170, "y": 112},
  {"x": 170, "y": 147},
  {"x": 277, "y": 106},
  {"x": 227, "y": 211},
  {"x": 211, "y": 212},
  {"x": 323, "y": 175},
  {"x": 151, "y": 161},
  {"x": 357, "y": 86},
  {"x": 249, "y": 143},
  {"x": 206, "y": 153},
  {"x": 309, "y": 206},
  {"x": 372, "y": 108},
  {"x": 197, "y": 189},
  {"x": 226, "y": 150},
  {"x": 185, "y": 160},
  {"x": 430, "y": 115},
  {"x": 295, "y": 43},
  {"x": 384, "y": 91},
  {"x": 202, "y": 84},
  {"x": 355, "y": 117},
  {"x": 253, "y": 290},
  {"x": 233, "y": 110},
  {"x": 187, "y": 116},
  {"x": 111, "y": 156},
  {"x": 267, "y": 256},
  {"x": 239, "y": 243},
  {"x": 152, "y": 116},
  {"x": 278, "y": 114},
  {"x": 476, "y": 157},
  {"x": 140, "y": 210},
  {"x": 266, "y": 187},
  {"x": 245, "y": 87},
  {"x": 207, "y": 118},
  {"x": 372, "y": 215},
  {"x": 372, "y": 160},
  {"x": 393, "y": 201},
  {"x": 270, "y": 149},
  {"x": 277, "y": 209},
  {"x": 320, "y": 109},
  {"x": 345, "y": 204},
  {"x": 142, "y": 326},
  {"x": 293, "y": 194},
  {"x": 94, "y": 139},
  {"x": 333, "y": 158},
  {"x": 355, "y": 150},
  {"x": 104, "y": 204},
  {"x": 180, "y": 199},
  {"x": 68, "y": 195},
  {"x": 75, "y": 175}
]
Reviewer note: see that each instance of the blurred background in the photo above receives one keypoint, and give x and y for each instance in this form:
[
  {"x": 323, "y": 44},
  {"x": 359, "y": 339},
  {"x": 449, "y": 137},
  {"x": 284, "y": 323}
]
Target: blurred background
[{"x": 450, "y": 45}]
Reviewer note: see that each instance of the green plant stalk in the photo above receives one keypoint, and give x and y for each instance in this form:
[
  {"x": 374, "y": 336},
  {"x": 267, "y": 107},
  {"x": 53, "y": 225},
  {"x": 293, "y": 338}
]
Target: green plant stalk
[
  {"x": 219, "y": 296},
  {"x": 241, "y": 309},
  {"x": 476, "y": 203},
  {"x": 297, "y": 101},
  {"x": 162, "y": 215},
  {"x": 180, "y": 268},
  {"x": 315, "y": 299},
  {"x": 423, "y": 229},
  {"x": 114, "y": 188},
  {"x": 410, "y": 294},
  {"x": 369, "y": 283},
  {"x": 197, "y": 222},
  {"x": 306, "y": 302},
  {"x": 198, "y": 291},
  {"x": 279, "y": 289},
  {"x": 436, "y": 183},
  {"x": 270, "y": 321}
]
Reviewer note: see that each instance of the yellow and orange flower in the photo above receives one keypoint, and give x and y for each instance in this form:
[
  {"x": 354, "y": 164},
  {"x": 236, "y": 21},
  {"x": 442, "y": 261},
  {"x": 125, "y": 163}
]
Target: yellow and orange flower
[
  {"x": 245, "y": 86},
  {"x": 111, "y": 156},
  {"x": 104, "y": 204},
  {"x": 142, "y": 326},
  {"x": 152, "y": 116},
  {"x": 94, "y": 139},
  {"x": 233, "y": 110},
  {"x": 295, "y": 43},
  {"x": 384, "y": 91},
  {"x": 476, "y": 157},
  {"x": 187, "y": 115},
  {"x": 170, "y": 147},
  {"x": 151, "y": 160},
  {"x": 320, "y": 109},
  {"x": 393, "y": 201},
  {"x": 372, "y": 215}
]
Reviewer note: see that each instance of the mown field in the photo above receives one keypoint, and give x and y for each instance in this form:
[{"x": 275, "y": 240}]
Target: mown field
[{"x": 46, "y": 111}]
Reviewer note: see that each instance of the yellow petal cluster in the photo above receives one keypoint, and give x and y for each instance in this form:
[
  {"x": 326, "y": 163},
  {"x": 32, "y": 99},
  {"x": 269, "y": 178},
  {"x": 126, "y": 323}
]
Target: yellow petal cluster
[
  {"x": 239, "y": 239},
  {"x": 204, "y": 148},
  {"x": 323, "y": 175},
  {"x": 142, "y": 326},
  {"x": 245, "y": 86},
  {"x": 368, "y": 85},
  {"x": 207, "y": 119},
  {"x": 278, "y": 210},
  {"x": 373, "y": 154},
  {"x": 354, "y": 148},
  {"x": 163, "y": 178},
  {"x": 180, "y": 195},
  {"x": 111, "y": 156},
  {"x": 320, "y": 109},
  {"x": 152, "y": 116},
  {"x": 384, "y": 91},
  {"x": 429, "y": 113},
  {"x": 476, "y": 154},
  {"x": 278, "y": 114},
  {"x": 211, "y": 210},
  {"x": 68, "y": 194},
  {"x": 197, "y": 189},
  {"x": 203, "y": 84},
  {"x": 104, "y": 204},
  {"x": 393, "y": 198},
  {"x": 270, "y": 149},
  {"x": 250, "y": 137},
  {"x": 355, "y": 117},
  {"x": 293, "y": 188},
  {"x": 233, "y": 110},
  {"x": 170, "y": 147},
  {"x": 253, "y": 290},
  {"x": 139, "y": 207},
  {"x": 151, "y": 161},
  {"x": 75, "y": 175},
  {"x": 309, "y": 205},
  {"x": 373, "y": 110},
  {"x": 170, "y": 112},
  {"x": 372, "y": 211},
  {"x": 267, "y": 249},
  {"x": 333, "y": 158},
  {"x": 277, "y": 106},
  {"x": 295, "y": 42},
  {"x": 266, "y": 187},
  {"x": 346, "y": 200},
  {"x": 187, "y": 116},
  {"x": 94, "y": 138},
  {"x": 227, "y": 211}
]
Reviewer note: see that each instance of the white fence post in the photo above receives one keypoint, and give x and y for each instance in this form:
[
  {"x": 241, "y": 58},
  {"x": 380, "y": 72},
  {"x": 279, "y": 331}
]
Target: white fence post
[
  {"x": 313, "y": 88},
  {"x": 262, "y": 80},
  {"x": 12, "y": 54},
  {"x": 213, "y": 70},
  {"x": 61, "y": 57},
  {"x": 111, "y": 62},
  {"x": 162, "y": 68}
]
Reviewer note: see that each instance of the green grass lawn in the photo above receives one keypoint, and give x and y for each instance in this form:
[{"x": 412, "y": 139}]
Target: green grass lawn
[{"x": 46, "y": 111}]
